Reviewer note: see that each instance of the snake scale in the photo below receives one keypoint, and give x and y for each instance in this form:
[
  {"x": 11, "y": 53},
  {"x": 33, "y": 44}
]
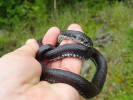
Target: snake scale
[{"x": 83, "y": 50}]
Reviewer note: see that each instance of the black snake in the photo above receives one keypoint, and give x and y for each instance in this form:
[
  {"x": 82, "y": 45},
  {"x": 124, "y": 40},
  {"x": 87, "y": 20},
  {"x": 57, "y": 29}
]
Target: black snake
[{"x": 83, "y": 50}]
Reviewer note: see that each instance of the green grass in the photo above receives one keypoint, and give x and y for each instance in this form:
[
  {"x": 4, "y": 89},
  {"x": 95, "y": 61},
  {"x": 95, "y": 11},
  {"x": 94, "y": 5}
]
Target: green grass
[{"x": 118, "y": 19}]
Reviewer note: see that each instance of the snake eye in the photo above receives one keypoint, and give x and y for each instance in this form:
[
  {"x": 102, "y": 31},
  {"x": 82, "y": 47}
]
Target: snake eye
[{"x": 74, "y": 37}]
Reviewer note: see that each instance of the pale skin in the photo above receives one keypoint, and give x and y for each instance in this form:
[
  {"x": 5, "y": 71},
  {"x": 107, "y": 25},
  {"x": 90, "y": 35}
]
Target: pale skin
[{"x": 20, "y": 72}]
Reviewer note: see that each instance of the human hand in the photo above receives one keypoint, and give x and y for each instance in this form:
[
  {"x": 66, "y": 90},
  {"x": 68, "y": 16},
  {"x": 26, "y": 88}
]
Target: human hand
[{"x": 20, "y": 72}]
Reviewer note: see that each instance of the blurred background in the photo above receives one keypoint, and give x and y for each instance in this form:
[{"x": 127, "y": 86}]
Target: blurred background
[{"x": 109, "y": 23}]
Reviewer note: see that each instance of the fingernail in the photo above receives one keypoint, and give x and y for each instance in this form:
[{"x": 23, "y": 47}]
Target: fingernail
[{"x": 30, "y": 42}]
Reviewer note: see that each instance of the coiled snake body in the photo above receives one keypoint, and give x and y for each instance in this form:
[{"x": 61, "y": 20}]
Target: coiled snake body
[{"x": 84, "y": 50}]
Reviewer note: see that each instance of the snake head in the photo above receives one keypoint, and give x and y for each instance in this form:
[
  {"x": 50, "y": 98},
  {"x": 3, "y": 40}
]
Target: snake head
[
  {"x": 76, "y": 36},
  {"x": 85, "y": 41}
]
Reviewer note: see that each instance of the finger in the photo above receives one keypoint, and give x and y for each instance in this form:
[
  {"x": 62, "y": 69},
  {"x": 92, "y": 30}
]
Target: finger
[
  {"x": 30, "y": 48},
  {"x": 70, "y": 64},
  {"x": 75, "y": 27},
  {"x": 51, "y": 36}
]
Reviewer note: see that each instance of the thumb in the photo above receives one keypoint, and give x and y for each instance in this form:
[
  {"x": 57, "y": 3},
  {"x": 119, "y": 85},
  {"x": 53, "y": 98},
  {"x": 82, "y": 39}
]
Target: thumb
[{"x": 29, "y": 49}]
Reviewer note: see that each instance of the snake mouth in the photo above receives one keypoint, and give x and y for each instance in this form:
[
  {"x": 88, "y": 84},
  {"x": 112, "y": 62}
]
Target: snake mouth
[
  {"x": 62, "y": 37},
  {"x": 68, "y": 55}
]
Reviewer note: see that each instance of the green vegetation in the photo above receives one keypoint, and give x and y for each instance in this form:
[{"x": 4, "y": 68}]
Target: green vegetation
[{"x": 27, "y": 19}]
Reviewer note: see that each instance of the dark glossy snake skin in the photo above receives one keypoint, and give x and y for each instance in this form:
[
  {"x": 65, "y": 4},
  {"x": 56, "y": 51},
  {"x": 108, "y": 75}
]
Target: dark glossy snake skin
[{"x": 84, "y": 50}]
